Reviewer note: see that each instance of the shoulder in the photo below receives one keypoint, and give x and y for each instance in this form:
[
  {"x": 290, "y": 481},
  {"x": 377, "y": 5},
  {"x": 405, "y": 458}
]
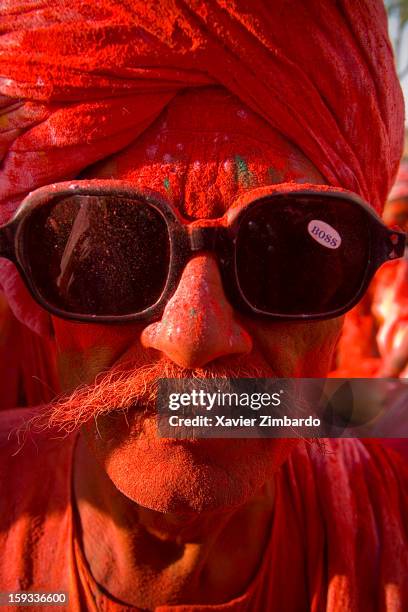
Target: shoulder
[
  {"x": 360, "y": 490},
  {"x": 348, "y": 458},
  {"x": 347, "y": 500},
  {"x": 352, "y": 468},
  {"x": 35, "y": 489}
]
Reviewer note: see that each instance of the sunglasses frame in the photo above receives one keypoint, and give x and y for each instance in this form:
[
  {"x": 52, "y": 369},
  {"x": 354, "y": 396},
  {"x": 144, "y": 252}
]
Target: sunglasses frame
[{"x": 188, "y": 238}]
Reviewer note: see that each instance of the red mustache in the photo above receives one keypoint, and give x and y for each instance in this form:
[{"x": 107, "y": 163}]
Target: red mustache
[{"x": 126, "y": 386}]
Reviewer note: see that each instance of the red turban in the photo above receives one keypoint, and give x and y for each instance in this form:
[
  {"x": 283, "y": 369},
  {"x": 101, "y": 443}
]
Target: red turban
[{"x": 81, "y": 80}]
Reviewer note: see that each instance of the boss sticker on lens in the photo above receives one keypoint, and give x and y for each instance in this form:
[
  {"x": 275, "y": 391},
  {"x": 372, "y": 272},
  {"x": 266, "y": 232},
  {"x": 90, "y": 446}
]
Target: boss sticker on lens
[{"x": 324, "y": 234}]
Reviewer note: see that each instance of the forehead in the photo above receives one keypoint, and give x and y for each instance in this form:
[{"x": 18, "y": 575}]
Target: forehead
[{"x": 204, "y": 151}]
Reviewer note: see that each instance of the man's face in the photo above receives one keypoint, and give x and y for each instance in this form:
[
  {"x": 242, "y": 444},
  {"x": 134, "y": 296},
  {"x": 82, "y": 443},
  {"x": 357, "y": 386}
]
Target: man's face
[{"x": 201, "y": 171}]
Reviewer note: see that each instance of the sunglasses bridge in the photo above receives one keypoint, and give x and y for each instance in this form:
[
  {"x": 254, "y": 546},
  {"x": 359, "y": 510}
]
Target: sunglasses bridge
[{"x": 203, "y": 237}]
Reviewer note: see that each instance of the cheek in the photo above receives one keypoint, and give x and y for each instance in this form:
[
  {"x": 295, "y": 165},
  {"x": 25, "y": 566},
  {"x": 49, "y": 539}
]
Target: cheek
[
  {"x": 84, "y": 350},
  {"x": 315, "y": 359},
  {"x": 297, "y": 349}
]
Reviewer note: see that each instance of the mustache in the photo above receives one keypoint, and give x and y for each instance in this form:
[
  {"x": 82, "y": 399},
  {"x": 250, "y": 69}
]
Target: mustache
[{"x": 127, "y": 386}]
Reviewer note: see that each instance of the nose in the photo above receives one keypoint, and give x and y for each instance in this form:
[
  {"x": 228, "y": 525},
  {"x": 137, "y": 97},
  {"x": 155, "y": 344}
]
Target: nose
[{"x": 198, "y": 324}]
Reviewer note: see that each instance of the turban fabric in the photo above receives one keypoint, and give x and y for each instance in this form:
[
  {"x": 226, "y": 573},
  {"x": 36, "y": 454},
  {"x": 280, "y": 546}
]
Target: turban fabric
[{"x": 80, "y": 80}]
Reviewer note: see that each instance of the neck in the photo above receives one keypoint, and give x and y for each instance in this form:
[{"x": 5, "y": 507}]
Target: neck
[{"x": 146, "y": 558}]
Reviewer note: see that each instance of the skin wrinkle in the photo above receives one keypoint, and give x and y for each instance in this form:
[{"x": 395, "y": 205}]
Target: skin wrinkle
[
  {"x": 169, "y": 488},
  {"x": 186, "y": 177}
]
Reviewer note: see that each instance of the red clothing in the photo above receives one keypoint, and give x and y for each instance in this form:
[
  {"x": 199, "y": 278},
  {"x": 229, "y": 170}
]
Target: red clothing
[
  {"x": 9, "y": 374},
  {"x": 338, "y": 540}
]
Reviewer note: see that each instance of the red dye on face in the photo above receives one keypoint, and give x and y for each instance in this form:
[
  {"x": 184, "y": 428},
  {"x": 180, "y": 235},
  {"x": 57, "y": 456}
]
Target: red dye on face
[{"x": 199, "y": 331}]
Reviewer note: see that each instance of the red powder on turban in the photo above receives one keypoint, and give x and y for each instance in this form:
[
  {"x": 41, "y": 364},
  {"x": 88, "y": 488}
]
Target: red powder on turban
[{"x": 87, "y": 78}]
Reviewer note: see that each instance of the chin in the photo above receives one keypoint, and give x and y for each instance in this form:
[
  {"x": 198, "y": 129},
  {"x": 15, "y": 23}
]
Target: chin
[{"x": 186, "y": 476}]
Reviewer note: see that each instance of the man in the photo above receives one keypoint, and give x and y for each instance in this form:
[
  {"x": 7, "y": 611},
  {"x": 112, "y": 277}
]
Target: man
[{"x": 200, "y": 110}]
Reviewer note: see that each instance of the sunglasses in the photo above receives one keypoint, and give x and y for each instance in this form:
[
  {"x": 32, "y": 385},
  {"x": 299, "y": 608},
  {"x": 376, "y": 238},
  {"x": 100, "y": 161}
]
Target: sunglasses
[{"x": 102, "y": 251}]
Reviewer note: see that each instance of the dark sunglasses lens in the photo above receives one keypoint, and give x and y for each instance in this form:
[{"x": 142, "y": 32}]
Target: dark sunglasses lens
[
  {"x": 96, "y": 255},
  {"x": 302, "y": 255}
]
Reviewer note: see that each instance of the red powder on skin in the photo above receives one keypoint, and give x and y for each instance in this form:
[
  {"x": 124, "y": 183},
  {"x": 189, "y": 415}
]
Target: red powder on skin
[
  {"x": 203, "y": 171},
  {"x": 199, "y": 326}
]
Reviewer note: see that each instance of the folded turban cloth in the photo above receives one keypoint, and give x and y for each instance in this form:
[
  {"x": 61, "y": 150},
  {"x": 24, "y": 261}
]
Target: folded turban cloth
[{"x": 80, "y": 80}]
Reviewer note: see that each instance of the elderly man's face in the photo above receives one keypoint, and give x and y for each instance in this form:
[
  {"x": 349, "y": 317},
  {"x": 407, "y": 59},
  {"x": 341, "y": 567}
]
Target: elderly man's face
[{"x": 201, "y": 165}]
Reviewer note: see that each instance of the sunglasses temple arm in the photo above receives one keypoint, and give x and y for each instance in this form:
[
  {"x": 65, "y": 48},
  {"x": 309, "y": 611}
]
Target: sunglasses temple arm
[{"x": 395, "y": 245}]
